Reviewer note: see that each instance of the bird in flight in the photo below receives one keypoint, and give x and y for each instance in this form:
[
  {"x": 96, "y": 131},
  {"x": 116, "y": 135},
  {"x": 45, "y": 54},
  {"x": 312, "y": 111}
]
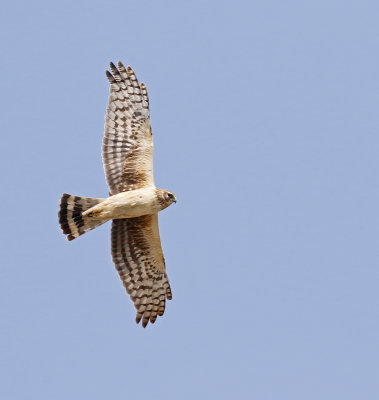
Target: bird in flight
[{"x": 134, "y": 201}]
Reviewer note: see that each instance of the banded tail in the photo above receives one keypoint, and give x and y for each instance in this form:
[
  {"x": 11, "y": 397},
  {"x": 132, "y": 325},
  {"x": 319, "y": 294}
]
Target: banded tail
[{"x": 72, "y": 222}]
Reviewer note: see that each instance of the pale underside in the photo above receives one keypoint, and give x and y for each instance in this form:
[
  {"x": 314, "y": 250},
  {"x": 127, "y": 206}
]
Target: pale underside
[
  {"x": 128, "y": 164},
  {"x": 129, "y": 204}
]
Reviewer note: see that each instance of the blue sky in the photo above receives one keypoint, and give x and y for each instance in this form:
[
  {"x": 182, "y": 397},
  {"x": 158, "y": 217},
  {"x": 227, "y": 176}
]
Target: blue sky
[{"x": 265, "y": 119}]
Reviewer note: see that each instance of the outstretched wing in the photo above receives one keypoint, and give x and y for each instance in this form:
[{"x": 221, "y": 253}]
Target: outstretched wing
[
  {"x": 128, "y": 141},
  {"x": 138, "y": 256}
]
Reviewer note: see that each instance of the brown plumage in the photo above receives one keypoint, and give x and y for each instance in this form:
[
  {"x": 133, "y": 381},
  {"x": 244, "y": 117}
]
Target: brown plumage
[{"x": 134, "y": 200}]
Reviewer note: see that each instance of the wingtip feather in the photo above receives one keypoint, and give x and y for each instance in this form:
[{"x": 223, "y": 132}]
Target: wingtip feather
[{"x": 109, "y": 76}]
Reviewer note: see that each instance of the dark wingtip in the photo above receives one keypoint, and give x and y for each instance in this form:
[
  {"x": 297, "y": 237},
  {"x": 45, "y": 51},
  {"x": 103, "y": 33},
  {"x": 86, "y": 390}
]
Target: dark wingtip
[
  {"x": 121, "y": 65},
  {"x": 109, "y": 76},
  {"x": 113, "y": 68}
]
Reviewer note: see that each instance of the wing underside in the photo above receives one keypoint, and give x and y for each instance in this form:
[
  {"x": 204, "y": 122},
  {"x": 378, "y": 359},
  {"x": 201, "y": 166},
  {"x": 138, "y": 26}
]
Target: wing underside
[
  {"x": 128, "y": 143},
  {"x": 128, "y": 165},
  {"x": 138, "y": 257}
]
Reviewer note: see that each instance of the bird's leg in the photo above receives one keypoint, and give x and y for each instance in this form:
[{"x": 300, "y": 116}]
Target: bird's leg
[{"x": 92, "y": 214}]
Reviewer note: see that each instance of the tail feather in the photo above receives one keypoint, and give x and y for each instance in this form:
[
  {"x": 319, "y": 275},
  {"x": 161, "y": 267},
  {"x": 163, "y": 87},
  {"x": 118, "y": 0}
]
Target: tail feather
[{"x": 71, "y": 220}]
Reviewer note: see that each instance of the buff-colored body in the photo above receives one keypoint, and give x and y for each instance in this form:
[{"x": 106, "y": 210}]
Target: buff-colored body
[{"x": 134, "y": 203}]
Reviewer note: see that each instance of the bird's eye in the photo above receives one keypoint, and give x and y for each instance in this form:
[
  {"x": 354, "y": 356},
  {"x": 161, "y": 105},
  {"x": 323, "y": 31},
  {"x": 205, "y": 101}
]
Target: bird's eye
[{"x": 170, "y": 195}]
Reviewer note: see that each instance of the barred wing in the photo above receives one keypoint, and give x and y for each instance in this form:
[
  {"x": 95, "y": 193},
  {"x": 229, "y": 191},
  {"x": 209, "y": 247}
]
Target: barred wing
[
  {"x": 138, "y": 257},
  {"x": 128, "y": 141}
]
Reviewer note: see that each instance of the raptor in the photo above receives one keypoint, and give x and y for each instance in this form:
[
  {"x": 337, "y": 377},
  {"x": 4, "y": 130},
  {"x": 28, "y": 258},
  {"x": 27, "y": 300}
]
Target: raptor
[{"x": 134, "y": 201}]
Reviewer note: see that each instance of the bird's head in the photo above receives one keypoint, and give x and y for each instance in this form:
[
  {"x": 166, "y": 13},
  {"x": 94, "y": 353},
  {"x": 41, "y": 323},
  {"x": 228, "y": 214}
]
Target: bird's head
[
  {"x": 169, "y": 197},
  {"x": 165, "y": 197}
]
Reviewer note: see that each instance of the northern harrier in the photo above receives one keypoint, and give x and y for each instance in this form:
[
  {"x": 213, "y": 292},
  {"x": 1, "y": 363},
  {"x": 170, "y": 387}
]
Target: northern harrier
[{"x": 134, "y": 201}]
